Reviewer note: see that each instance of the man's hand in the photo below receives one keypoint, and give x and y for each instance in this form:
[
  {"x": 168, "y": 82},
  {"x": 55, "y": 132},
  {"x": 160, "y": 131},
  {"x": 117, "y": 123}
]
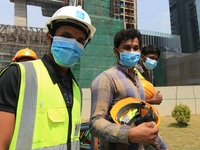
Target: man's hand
[
  {"x": 144, "y": 133},
  {"x": 156, "y": 100}
]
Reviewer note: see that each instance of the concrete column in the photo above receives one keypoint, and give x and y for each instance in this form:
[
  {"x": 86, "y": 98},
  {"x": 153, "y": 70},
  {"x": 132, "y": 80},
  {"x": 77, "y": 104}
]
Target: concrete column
[{"x": 20, "y": 13}]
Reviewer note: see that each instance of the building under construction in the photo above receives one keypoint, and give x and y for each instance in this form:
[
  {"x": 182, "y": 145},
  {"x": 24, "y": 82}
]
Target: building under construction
[
  {"x": 13, "y": 38},
  {"x": 126, "y": 11},
  {"x": 108, "y": 16}
]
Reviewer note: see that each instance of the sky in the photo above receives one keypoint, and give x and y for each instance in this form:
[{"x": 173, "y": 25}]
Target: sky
[{"x": 153, "y": 15}]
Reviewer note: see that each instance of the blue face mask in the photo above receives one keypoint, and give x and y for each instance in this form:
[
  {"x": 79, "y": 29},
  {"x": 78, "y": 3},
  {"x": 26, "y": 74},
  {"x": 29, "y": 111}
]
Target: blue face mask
[
  {"x": 66, "y": 51},
  {"x": 150, "y": 64},
  {"x": 129, "y": 59}
]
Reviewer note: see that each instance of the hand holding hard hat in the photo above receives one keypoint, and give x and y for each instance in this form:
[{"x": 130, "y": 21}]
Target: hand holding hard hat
[
  {"x": 149, "y": 89},
  {"x": 143, "y": 134},
  {"x": 141, "y": 116},
  {"x": 151, "y": 96}
]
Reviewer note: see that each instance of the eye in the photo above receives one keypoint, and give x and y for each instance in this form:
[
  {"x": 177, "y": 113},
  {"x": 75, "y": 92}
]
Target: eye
[
  {"x": 136, "y": 48},
  {"x": 66, "y": 36},
  {"x": 127, "y": 48},
  {"x": 153, "y": 58}
]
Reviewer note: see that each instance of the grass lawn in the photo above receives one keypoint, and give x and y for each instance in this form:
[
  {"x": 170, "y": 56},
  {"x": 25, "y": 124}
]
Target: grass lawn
[{"x": 181, "y": 137}]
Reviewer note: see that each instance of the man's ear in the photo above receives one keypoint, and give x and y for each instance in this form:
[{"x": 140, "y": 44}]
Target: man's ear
[
  {"x": 48, "y": 38},
  {"x": 115, "y": 51},
  {"x": 143, "y": 58}
]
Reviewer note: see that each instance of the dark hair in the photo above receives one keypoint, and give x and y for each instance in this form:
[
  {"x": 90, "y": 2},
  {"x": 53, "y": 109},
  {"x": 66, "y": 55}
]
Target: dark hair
[
  {"x": 150, "y": 49},
  {"x": 126, "y": 34}
]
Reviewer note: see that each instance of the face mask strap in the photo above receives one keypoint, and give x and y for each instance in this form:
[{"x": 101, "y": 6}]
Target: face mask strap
[
  {"x": 51, "y": 37},
  {"x": 119, "y": 54},
  {"x": 144, "y": 58}
]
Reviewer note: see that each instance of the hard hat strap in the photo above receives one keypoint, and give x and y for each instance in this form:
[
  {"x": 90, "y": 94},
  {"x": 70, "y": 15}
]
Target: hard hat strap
[{"x": 138, "y": 119}]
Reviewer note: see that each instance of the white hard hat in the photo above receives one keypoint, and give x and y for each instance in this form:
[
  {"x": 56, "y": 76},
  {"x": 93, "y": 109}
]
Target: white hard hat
[{"x": 73, "y": 14}]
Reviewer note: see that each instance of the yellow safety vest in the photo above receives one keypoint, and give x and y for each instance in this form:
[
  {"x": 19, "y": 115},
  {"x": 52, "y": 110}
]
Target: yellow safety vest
[
  {"x": 42, "y": 119},
  {"x": 139, "y": 74}
]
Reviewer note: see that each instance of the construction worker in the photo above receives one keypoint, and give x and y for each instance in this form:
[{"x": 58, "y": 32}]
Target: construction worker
[
  {"x": 114, "y": 84},
  {"x": 40, "y": 101},
  {"x": 149, "y": 58},
  {"x": 25, "y": 54}
]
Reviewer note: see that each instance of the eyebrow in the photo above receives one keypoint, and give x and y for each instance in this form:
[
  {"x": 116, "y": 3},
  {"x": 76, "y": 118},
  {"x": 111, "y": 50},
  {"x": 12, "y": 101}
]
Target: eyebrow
[{"x": 129, "y": 45}]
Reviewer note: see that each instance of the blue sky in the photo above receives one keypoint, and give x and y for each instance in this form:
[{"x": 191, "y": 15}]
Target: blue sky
[{"x": 153, "y": 15}]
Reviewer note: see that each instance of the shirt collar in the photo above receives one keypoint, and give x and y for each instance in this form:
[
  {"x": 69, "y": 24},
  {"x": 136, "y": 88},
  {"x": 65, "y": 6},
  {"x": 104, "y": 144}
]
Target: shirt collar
[{"x": 121, "y": 68}]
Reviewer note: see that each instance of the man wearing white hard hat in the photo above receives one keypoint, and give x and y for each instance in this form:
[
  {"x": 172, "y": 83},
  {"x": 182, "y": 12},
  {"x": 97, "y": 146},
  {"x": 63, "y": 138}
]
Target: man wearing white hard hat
[{"x": 40, "y": 101}]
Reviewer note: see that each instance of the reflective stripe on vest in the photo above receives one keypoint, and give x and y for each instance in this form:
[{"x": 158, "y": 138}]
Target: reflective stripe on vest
[
  {"x": 138, "y": 73},
  {"x": 42, "y": 117},
  {"x": 142, "y": 93}
]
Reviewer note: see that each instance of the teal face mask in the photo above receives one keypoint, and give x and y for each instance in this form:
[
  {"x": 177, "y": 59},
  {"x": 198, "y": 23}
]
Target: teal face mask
[
  {"x": 129, "y": 59},
  {"x": 150, "y": 64},
  {"x": 66, "y": 51}
]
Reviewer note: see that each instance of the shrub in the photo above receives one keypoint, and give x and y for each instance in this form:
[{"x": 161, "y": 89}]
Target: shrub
[{"x": 181, "y": 113}]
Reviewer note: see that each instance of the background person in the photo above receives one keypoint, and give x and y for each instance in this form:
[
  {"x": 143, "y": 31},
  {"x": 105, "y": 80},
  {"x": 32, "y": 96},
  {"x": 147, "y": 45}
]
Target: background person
[
  {"x": 25, "y": 54},
  {"x": 111, "y": 86},
  {"x": 149, "y": 59},
  {"x": 40, "y": 101}
]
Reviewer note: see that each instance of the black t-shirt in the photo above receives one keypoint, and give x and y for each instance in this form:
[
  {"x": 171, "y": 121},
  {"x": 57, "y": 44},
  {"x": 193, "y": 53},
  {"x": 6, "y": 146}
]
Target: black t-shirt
[{"x": 10, "y": 84}]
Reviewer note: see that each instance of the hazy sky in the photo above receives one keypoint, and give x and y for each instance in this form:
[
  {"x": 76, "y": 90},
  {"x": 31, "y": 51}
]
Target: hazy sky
[{"x": 153, "y": 15}]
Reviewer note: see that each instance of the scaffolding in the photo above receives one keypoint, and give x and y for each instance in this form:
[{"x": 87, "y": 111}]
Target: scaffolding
[{"x": 14, "y": 38}]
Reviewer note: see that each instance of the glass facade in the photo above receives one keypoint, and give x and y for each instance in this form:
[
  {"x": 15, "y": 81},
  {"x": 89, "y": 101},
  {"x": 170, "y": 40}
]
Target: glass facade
[
  {"x": 164, "y": 41},
  {"x": 185, "y": 21}
]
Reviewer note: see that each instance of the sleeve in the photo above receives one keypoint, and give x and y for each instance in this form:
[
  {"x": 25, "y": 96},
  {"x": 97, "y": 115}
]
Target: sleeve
[
  {"x": 162, "y": 144},
  {"x": 9, "y": 84},
  {"x": 102, "y": 93}
]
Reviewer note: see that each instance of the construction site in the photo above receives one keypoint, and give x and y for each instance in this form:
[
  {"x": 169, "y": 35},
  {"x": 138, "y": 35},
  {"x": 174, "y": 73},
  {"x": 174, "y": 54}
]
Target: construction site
[
  {"x": 177, "y": 74},
  {"x": 108, "y": 16}
]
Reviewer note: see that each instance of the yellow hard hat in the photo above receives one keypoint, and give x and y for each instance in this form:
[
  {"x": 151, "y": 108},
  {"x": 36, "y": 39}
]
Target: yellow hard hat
[
  {"x": 24, "y": 53},
  {"x": 129, "y": 111},
  {"x": 149, "y": 89}
]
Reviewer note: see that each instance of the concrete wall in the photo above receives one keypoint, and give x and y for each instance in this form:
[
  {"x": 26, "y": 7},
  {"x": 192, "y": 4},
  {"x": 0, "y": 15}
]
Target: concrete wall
[{"x": 172, "y": 95}]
